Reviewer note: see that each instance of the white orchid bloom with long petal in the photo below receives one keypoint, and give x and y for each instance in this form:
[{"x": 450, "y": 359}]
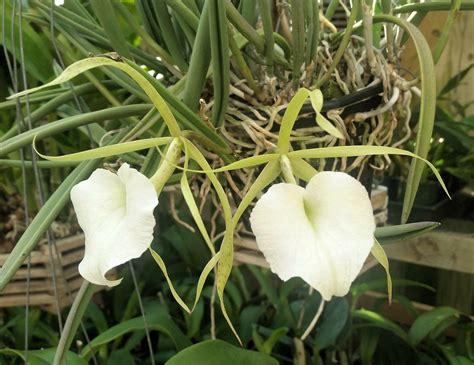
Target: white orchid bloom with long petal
[
  {"x": 115, "y": 212},
  {"x": 322, "y": 234}
]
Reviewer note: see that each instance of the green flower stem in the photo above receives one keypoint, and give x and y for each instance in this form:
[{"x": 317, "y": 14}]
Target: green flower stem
[
  {"x": 168, "y": 165},
  {"x": 286, "y": 170},
  {"x": 74, "y": 317},
  {"x": 431, "y": 6}
]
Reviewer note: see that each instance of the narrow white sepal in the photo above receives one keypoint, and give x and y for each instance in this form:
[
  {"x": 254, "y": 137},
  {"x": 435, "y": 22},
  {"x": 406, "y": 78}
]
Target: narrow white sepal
[
  {"x": 322, "y": 234},
  {"x": 115, "y": 211}
]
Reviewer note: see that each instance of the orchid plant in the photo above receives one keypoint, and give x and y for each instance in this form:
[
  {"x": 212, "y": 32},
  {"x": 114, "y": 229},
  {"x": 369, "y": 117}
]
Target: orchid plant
[
  {"x": 316, "y": 225},
  {"x": 322, "y": 234}
]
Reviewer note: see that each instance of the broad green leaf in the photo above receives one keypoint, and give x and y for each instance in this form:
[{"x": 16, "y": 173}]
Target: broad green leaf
[
  {"x": 427, "y": 322},
  {"x": 89, "y": 63},
  {"x": 380, "y": 322},
  {"x": 217, "y": 352},
  {"x": 427, "y": 109},
  {"x": 392, "y": 234},
  {"x": 331, "y": 323},
  {"x": 43, "y": 357},
  {"x": 378, "y": 252},
  {"x": 160, "y": 322},
  {"x": 112, "y": 150},
  {"x": 121, "y": 357}
]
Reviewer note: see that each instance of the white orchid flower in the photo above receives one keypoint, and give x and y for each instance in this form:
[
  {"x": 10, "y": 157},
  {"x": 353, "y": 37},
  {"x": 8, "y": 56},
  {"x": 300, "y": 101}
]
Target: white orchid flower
[
  {"x": 322, "y": 234},
  {"x": 115, "y": 212}
]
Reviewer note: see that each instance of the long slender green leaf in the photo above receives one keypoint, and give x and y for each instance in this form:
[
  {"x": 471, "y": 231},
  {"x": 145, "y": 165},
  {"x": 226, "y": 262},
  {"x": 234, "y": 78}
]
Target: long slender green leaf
[
  {"x": 199, "y": 65},
  {"x": 392, "y": 234},
  {"x": 69, "y": 123},
  {"x": 90, "y": 63},
  {"x": 74, "y": 318},
  {"x": 220, "y": 59},
  {"x": 427, "y": 322},
  {"x": 104, "y": 10},
  {"x": 378, "y": 252},
  {"x": 169, "y": 36},
  {"x": 427, "y": 109},
  {"x": 266, "y": 14},
  {"x": 347, "y": 151},
  {"x": 381, "y": 322},
  {"x": 446, "y": 30},
  {"x": 111, "y": 150},
  {"x": 297, "y": 29}
]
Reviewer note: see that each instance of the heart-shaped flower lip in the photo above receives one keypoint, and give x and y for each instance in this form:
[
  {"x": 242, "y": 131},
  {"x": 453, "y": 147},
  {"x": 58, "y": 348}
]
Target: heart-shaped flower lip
[
  {"x": 322, "y": 234},
  {"x": 115, "y": 211}
]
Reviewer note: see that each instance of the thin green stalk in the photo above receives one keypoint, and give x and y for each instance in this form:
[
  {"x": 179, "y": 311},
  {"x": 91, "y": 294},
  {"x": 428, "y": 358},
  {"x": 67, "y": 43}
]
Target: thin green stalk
[
  {"x": 244, "y": 27},
  {"x": 168, "y": 33},
  {"x": 432, "y": 6},
  {"x": 105, "y": 12},
  {"x": 40, "y": 164},
  {"x": 331, "y": 10},
  {"x": 298, "y": 36},
  {"x": 313, "y": 31},
  {"x": 242, "y": 65},
  {"x": 266, "y": 15},
  {"x": 50, "y": 106},
  {"x": 199, "y": 65},
  {"x": 159, "y": 51},
  {"x": 69, "y": 123},
  {"x": 342, "y": 46},
  {"x": 180, "y": 8},
  {"x": 220, "y": 60},
  {"x": 448, "y": 25},
  {"x": 73, "y": 321}
]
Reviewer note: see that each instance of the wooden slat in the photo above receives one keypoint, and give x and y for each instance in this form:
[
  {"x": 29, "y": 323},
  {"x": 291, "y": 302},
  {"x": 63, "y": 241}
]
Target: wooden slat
[{"x": 439, "y": 249}]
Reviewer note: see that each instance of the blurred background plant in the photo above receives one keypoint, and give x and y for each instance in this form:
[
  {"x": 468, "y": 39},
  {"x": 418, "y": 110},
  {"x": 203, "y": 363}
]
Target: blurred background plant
[{"x": 228, "y": 70}]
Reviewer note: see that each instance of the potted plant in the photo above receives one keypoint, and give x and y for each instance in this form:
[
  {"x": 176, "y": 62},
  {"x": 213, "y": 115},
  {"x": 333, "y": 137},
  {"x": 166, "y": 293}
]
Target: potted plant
[{"x": 218, "y": 74}]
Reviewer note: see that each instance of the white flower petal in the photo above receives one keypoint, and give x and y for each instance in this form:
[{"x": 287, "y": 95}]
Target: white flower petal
[
  {"x": 322, "y": 234},
  {"x": 115, "y": 212}
]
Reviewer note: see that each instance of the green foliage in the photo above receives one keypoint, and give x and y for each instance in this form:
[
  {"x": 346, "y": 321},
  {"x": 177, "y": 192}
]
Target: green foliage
[{"x": 201, "y": 64}]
